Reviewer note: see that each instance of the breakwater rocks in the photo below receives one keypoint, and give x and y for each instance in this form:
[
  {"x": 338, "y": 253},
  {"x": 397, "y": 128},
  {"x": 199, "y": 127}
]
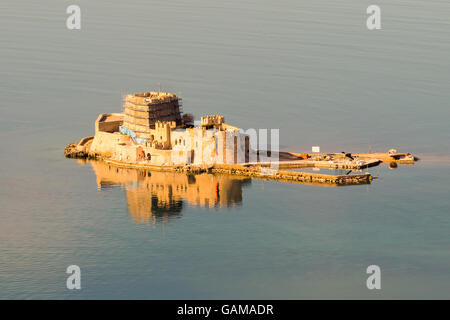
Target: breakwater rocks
[
  {"x": 72, "y": 151},
  {"x": 291, "y": 176},
  {"x": 259, "y": 173},
  {"x": 80, "y": 149}
]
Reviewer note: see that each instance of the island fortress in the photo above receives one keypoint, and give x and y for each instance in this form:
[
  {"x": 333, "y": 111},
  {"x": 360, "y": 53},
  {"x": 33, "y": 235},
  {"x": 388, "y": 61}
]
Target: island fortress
[{"x": 152, "y": 133}]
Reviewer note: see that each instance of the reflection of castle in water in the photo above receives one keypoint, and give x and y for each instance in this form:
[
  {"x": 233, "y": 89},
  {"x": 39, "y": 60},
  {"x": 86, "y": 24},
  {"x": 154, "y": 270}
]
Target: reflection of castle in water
[{"x": 154, "y": 195}]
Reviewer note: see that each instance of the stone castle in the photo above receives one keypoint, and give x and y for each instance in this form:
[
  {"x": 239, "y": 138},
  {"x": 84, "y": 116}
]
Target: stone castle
[{"x": 151, "y": 130}]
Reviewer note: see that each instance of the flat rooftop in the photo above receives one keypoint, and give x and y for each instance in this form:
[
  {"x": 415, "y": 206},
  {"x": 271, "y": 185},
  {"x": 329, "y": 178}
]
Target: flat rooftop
[
  {"x": 111, "y": 117},
  {"x": 150, "y": 97}
]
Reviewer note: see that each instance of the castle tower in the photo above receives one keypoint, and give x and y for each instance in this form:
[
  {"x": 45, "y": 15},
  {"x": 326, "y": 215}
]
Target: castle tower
[{"x": 143, "y": 110}]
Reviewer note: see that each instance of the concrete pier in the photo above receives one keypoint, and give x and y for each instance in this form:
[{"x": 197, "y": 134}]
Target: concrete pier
[{"x": 350, "y": 165}]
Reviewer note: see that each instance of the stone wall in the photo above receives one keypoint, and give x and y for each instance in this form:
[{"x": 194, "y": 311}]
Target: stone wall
[
  {"x": 108, "y": 122},
  {"x": 105, "y": 143}
]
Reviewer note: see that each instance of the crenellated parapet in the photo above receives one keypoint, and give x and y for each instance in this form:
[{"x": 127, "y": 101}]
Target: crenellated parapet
[{"x": 212, "y": 120}]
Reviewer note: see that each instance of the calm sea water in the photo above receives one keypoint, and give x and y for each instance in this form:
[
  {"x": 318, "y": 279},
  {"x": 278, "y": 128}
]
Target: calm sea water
[{"x": 310, "y": 68}]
